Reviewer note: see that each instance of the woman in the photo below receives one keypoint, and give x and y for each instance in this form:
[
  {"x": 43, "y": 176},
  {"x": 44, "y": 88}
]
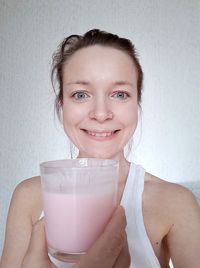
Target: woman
[{"x": 100, "y": 84}]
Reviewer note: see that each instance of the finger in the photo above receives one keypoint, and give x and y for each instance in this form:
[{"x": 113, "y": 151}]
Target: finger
[
  {"x": 124, "y": 259},
  {"x": 118, "y": 220},
  {"x": 107, "y": 248},
  {"x": 114, "y": 237}
]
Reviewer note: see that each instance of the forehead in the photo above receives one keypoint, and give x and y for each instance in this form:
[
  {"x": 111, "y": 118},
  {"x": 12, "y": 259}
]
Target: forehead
[{"x": 100, "y": 61}]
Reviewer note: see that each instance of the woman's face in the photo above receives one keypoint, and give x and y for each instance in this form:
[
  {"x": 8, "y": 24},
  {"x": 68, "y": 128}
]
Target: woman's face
[{"x": 100, "y": 109}]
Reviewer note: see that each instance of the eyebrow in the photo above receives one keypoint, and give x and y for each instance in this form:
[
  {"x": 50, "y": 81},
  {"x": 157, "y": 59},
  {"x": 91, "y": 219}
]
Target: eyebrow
[
  {"x": 117, "y": 83},
  {"x": 123, "y": 82},
  {"x": 78, "y": 82}
]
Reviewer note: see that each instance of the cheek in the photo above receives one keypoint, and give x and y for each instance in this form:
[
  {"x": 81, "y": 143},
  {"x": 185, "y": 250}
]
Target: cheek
[
  {"x": 72, "y": 116},
  {"x": 129, "y": 116},
  {"x": 71, "y": 113}
]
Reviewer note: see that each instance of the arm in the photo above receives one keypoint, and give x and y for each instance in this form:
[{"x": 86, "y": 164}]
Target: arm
[
  {"x": 184, "y": 235},
  {"x": 19, "y": 224}
]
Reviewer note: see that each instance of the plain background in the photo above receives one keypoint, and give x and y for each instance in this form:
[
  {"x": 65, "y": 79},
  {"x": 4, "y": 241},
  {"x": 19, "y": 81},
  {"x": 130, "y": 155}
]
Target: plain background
[{"x": 167, "y": 37}]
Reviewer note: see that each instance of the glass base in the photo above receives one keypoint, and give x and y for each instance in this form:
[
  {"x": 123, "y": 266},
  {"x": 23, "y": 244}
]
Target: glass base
[{"x": 65, "y": 257}]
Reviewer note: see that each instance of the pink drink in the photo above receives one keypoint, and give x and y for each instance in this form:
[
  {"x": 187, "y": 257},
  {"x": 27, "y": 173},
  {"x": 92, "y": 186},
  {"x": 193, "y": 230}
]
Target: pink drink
[
  {"x": 74, "y": 222},
  {"x": 79, "y": 198}
]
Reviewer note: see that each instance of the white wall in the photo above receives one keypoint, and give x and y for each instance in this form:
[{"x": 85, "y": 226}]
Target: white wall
[{"x": 167, "y": 36}]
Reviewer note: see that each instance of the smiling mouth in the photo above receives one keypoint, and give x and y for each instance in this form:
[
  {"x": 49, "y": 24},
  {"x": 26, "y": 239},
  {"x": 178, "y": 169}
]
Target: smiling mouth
[{"x": 101, "y": 134}]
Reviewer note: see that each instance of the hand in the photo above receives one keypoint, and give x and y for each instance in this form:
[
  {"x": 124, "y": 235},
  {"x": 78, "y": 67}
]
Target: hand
[{"x": 109, "y": 251}]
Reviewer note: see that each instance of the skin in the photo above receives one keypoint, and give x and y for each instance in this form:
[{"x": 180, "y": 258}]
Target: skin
[{"x": 95, "y": 81}]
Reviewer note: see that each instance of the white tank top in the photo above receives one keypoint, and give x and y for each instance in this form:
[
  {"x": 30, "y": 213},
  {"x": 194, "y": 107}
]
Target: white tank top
[{"x": 140, "y": 248}]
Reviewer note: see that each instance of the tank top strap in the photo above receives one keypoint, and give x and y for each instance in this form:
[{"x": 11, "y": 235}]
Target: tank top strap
[{"x": 140, "y": 247}]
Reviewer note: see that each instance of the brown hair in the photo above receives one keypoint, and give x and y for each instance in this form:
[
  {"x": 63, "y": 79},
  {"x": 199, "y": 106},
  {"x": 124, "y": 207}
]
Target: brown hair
[{"x": 93, "y": 37}]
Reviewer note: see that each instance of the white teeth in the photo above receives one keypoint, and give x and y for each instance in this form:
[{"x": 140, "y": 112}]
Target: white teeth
[{"x": 100, "y": 134}]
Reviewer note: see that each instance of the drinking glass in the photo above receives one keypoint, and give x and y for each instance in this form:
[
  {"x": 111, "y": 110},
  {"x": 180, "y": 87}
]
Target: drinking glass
[{"x": 79, "y": 197}]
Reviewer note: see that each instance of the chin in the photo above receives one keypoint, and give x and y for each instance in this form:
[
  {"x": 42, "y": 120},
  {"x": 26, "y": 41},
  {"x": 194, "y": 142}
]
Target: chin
[{"x": 99, "y": 154}]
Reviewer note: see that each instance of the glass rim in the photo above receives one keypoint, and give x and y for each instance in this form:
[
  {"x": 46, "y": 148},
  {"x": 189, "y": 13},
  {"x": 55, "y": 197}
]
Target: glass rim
[{"x": 50, "y": 164}]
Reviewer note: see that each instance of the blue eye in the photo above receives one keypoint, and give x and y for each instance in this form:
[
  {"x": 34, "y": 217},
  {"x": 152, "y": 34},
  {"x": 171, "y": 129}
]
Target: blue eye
[
  {"x": 121, "y": 95},
  {"x": 80, "y": 95}
]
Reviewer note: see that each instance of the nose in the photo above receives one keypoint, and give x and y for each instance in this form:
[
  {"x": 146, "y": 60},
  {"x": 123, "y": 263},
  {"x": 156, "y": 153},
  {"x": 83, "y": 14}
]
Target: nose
[{"x": 101, "y": 111}]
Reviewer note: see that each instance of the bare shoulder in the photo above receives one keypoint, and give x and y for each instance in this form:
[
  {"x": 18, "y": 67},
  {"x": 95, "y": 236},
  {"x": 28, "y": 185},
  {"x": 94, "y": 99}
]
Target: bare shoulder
[
  {"x": 27, "y": 195},
  {"x": 29, "y": 185},
  {"x": 24, "y": 210},
  {"x": 167, "y": 191},
  {"x": 173, "y": 197}
]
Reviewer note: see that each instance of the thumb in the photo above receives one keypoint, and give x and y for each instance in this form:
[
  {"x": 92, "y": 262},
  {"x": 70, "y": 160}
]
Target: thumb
[
  {"x": 107, "y": 248},
  {"x": 37, "y": 245}
]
